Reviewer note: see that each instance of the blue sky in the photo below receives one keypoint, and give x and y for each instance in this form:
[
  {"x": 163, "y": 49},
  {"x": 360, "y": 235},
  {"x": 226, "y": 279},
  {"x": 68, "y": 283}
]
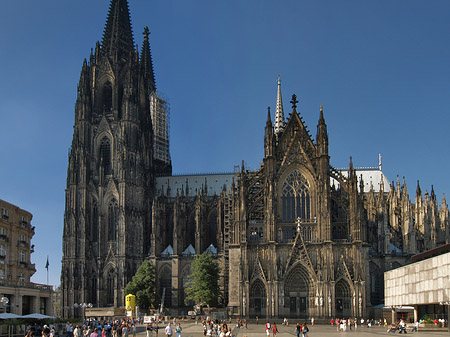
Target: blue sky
[{"x": 381, "y": 69}]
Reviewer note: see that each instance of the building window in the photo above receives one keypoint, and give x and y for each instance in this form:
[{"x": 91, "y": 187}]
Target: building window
[
  {"x": 105, "y": 155},
  {"x": 23, "y": 222},
  {"x": 5, "y": 214},
  {"x": 113, "y": 216},
  {"x": 107, "y": 97},
  {"x": 295, "y": 198},
  {"x": 21, "y": 278},
  {"x": 2, "y": 274},
  {"x": 22, "y": 256},
  {"x": 23, "y": 238},
  {"x": 2, "y": 251}
]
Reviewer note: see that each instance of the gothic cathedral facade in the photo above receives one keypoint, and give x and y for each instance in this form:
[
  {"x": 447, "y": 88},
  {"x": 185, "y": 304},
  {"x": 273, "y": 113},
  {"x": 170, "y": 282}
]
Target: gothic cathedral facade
[{"x": 296, "y": 238}]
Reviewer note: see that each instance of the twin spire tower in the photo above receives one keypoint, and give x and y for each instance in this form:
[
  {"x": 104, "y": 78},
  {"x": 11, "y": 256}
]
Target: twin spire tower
[{"x": 120, "y": 144}]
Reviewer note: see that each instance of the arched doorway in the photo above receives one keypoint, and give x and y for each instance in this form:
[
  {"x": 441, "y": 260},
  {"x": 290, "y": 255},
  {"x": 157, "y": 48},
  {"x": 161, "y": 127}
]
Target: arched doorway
[
  {"x": 258, "y": 299},
  {"x": 343, "y": 299},
  {"x": 165, "y": 286},
  {"x": 297, "y": 288}
]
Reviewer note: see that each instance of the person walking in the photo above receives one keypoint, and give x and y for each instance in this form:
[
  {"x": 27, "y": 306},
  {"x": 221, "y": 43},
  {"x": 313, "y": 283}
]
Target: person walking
[
  {"x": 274, "y": 329},
  {"x": 179, "y": 330},
  {"x": 298, "y": 329},
  {"x": 168, "y": 330},
  {"x": 305, "y": 330},
  {"x": 268, "y": 326}
]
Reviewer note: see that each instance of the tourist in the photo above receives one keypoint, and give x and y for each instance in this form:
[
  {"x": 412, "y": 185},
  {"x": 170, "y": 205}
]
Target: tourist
[
  {"x": 298, "y": 329},
  {"x": 94, "y": 333},
  {"x": 268, "y": 328},
  {"x": 179, "y": 330},
  {"x": 312, "y": 321},
  {"x": 168, "y": 330},
  {"x": 305, "y": 330},
  {"x": 274, "y": 329}
]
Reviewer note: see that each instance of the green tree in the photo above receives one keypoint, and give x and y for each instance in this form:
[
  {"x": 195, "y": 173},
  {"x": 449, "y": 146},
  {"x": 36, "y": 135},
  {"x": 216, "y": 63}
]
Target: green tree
[
  {"x": 143, "y": 286},
  {"x": 203, "y": 285}
]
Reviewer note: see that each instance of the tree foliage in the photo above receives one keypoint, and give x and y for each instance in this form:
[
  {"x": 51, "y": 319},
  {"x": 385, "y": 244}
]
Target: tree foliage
[
  {"x": 203, "y": 285},
  {"x": 143, "y": 286}
]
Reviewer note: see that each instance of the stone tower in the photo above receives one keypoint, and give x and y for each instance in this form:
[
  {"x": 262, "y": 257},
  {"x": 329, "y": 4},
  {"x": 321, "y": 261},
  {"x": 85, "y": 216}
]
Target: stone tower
[{"x": 111, "y": 168}]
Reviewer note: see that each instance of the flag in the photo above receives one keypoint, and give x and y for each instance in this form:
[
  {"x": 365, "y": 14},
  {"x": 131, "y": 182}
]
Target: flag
[{"x": 46, "y": 265}]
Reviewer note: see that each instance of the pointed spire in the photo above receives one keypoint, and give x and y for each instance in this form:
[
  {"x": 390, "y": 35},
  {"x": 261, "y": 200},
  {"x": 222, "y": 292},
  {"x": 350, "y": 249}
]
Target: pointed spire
[
  {"x": 444, "y": 201},
  {"x": 433, "y": 195},
  {"x": 118, "y": 35},
  {"x": 418, "y": 191},
  {"x": 322, "y": 134},
  {"x": 269, "y": 118},
  {"x": 147, "y": 63},
  {"x": 279, "y": 112},
  {"x": 294, "y": 103}
]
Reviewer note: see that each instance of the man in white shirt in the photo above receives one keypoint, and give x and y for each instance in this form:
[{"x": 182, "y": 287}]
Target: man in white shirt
[{"x": 169, "y": 330}]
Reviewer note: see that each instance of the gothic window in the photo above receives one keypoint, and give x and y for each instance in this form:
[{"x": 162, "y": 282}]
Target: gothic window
[
  {"x": 165, "y": 285},
  {"x": 110, "y": 288},
  {"x": 295, "y": 197},
  {"x": 376, "y": 284},
  {"x": 105, "y": 155},
  {"x": 113, "y": 217},
  {"x": 107, "y": 97},
  {"x": 212, "y": 228}
]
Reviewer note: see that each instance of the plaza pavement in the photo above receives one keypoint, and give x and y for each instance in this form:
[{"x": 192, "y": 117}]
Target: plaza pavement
[{"x": 195, "y": 330}]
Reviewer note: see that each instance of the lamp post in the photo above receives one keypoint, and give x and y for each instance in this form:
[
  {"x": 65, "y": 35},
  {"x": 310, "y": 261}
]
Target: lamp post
[
  {"x": 447, "y": 303},
  {"x": 5, "y": 301}
]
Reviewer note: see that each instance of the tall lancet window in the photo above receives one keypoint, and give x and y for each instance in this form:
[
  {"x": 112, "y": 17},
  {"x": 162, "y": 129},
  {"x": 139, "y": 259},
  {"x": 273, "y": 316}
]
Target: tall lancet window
[
  {"x": 105, "y": 155},
  {"x": 107, "y": 97},
  {"x": 113, "y": 219},
  {"x": 295, "y": 197}
]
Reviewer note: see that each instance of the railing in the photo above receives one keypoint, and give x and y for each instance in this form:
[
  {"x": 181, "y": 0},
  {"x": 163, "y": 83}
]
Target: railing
[{"x": 20, "y": 284}]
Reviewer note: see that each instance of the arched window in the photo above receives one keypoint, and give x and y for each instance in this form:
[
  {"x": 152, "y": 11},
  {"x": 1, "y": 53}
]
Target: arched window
[
  {"x": 295, "y": 197},
  {"x": 113, "y": 217},
  {"x": 107, "y": 97},
  {"x": 105, "y": 155},
  {"x": 110, "y": 288}
]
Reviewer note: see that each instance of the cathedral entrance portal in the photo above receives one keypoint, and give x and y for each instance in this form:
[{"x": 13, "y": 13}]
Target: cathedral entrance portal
[
  {"x": 297, "y": 292},
  {"x": 258, "y": 298},
  {"x": 343, "y": 299}
]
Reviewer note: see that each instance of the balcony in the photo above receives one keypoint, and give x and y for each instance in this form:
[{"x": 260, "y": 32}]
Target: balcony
[
  {"x": 24, "y": 223},
  {"x": 5, "y": 217},
  {"x": 23, "y": 244},
  {"x": 26, "y": 284},
  {"x": 23, "y": 264},
  {"x": 4, "y": 238}
]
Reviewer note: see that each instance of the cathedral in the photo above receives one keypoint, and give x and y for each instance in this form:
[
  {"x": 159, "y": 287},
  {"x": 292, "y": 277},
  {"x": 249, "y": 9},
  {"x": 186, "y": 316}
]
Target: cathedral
[{"x": 295, "y": 238}]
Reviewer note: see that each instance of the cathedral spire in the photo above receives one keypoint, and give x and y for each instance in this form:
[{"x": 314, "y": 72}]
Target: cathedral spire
[
  {"x": 279, "y": 112},
  {"x": 118, "y": 35},
  {"x": 322, "y": 134},
  {"x": 146, "y": 62}
]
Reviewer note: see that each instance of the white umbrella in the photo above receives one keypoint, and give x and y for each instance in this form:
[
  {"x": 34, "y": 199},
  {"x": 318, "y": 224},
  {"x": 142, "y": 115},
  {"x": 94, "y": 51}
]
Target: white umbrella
[
  {"x": 37, "y": 316},
  {"x": 8, "y": 315}
]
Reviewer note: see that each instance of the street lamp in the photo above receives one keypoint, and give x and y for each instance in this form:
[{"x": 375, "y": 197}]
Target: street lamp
[{"x": 5, "y": 301}]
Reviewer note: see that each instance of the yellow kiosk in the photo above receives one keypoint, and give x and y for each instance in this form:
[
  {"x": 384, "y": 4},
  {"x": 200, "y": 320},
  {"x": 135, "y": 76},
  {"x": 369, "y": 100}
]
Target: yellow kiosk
[{"x": 130, "y": 305}]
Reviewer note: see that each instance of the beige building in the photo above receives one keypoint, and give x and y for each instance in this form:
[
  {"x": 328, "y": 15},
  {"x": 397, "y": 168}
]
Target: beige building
[
  {"x": 24, "y": 297},
  {"x": 425, "y": 285}
]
